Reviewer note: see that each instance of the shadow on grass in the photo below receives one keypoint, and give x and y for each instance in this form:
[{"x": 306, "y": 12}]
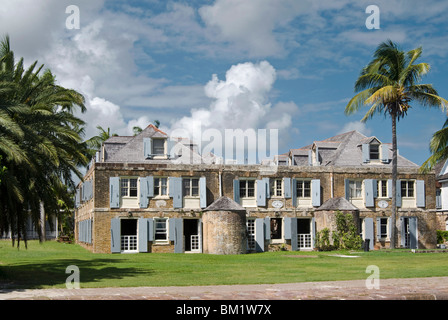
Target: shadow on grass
[{"x": 53, "y": 273}]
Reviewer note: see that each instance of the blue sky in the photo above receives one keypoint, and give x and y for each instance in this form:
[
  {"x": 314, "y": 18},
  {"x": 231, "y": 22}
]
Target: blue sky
[{"x": 286, "y": 64}]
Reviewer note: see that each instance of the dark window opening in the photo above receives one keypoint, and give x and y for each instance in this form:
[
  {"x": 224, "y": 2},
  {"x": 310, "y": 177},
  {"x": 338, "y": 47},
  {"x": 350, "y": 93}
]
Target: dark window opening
[
  {"x": 276, "y": 228},
  {"x": 129, "y": 227},
  {"x": 303, "y": 226}
]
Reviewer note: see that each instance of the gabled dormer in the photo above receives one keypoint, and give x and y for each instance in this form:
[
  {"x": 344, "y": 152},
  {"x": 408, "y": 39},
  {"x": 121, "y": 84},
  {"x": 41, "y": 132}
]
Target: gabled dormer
[
  {"x": 157, "y": 146},
  {"x": 373, "y": 151}
]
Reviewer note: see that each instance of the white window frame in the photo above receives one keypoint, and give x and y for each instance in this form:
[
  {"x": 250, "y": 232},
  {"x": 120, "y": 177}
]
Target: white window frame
[
  {"x": 302, "y": 195},
  {"x": 382, "y": 189},
  {"x": 128, "y": 187},
  {"x": 246, "y": 189},
  {"x": 153, "y": 151},
  {"x": 386, "y": 225},
  {"x": 160, "y": 231},
  {"x": 355, "y": 186},
  {"x": 187, "y": 192},
  {"x": 158, "y": 186},
  {"x": 406, "y": 193},
  {"x": 276, "y": 185}
]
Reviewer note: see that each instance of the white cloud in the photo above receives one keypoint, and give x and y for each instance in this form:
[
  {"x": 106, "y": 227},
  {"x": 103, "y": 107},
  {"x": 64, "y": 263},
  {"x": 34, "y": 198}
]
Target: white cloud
[{"x": 358, "y": 126}]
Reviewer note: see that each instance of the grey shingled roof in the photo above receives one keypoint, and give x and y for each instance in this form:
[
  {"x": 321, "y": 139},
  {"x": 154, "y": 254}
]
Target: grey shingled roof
[
  {"x": 224, "y": 204},
  {"x": 340, "y": 203}
]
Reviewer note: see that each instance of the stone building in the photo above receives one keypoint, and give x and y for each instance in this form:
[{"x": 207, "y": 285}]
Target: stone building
[{"x": 148, "y": 193}]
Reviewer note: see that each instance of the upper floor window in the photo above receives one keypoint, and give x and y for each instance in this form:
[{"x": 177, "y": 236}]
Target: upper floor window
[
  {"x": 160, "y": 187},
  {"x": 407, "y": 188},
  {"x": 374, "y": 152},
  {"x": 382, "y": 188},
  {"x": 303, "y": 188},
  {"x": 128, "y": 187},
  {"x": 158, "y": 147},
  {"x": 190, "y": 187},
  {"x": 277, "y": 187},
  {"x": 247, "y": 188},
  {"x": 355, "y": 187}
]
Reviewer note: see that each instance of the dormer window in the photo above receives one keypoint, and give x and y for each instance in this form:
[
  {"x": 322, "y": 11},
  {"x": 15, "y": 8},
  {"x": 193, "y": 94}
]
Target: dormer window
[
  {"x": 374, "y": 152},
  {"x": 154, "y": 148},
  {"x": 158, "y": 147}
]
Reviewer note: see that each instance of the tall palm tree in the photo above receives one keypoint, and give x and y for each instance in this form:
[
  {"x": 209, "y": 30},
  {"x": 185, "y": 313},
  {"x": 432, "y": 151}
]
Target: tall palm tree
[
  {"x": 388, "y": 84},
  {"x": 41, "y": 142}
]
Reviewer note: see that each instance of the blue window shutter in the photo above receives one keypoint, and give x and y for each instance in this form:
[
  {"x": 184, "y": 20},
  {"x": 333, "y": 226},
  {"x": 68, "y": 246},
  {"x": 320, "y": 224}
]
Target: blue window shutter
[
  {"x": 179, "y": 234},
  {"x": 420, "y": 193},
  {"x": 365, "y": 153},
  {"x": 287, "y": 228},
  {"x": 384, "y": 153},
  {"x": 294, "y": 240},
  {"x": 315, "y": 189},
  {"x": 287, "y": 187},
  {"x": 375, "y": 188},
  {"x": 268, "y": 189},
  {"x": 172, "y": 229},
  {"x": 294, "y": 192},
  {"x": 261, "y": 193},
  {"x": 389, "y": 188},
  {"x": 203, "y": 192},
  {"x": 310, "y": 158},
  {"x": 413, "y": 234},
  {"x": 147, "y": 148},
  {"x": 267, "y": 228},
  {"x": 369, "y": 193},
  {"x": 115, "y": 235},
  {"x": 236, "y": 191},
  {"x": 150, "y": 186},
  {"x": 150, "y": 229},
  {"x": 176, "y": 191},
  {"x": 347, "y": 189},
  {"x": 378, "y": 228},
  {"x": 143, "y": 235},
  {"x": 114, "y": 192},
  {"x": 259, "y": 234},
  {"x": 313, "y": 231},
  {"x": 171, "y": 146},
  {"x": 368, "y": 232},
  {"x": 143, "y": 193},
  {"x": 77, "y": 198},
  {"x": 398, "y": 203},
  {"x": 390, "y": 225},
  {"x": 403, "y": 231}
]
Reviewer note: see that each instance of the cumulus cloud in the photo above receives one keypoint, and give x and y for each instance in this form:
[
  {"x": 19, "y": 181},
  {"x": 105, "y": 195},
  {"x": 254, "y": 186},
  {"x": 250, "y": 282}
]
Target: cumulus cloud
[{"x": 358, "y": 126}]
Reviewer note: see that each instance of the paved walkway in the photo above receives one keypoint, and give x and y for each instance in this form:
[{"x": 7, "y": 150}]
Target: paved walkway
[{"x": 390, "y": 289}]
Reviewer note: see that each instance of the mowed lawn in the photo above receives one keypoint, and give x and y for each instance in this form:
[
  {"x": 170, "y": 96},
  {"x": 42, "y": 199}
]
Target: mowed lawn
[{"x": 44, "y": 266}]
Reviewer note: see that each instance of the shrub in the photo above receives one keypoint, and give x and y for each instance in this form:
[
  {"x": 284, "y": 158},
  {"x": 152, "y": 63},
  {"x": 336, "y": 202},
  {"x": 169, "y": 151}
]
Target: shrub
[{"x": 442, "y": 236}]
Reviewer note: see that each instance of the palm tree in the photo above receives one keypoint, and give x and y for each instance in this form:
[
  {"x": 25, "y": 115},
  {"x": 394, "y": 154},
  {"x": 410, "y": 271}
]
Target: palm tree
[
  {"x": 438, "y": 147},
  {"x": 388, "y": 84},
  {"x": 41, "y": 143}
]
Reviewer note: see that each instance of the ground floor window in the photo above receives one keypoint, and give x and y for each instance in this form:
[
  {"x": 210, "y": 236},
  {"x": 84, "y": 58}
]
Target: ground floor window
[
  {"x": 276, "y": 228},
  {"x": 304, "y": 234},
  {"x": 129, "y": 235},
  {"x": 161, "y": 230},
  {"x": 251, "y": 245}
]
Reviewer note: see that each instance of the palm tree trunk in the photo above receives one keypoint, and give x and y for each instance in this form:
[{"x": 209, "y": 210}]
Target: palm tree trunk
[{"x": 394, "y": 181}]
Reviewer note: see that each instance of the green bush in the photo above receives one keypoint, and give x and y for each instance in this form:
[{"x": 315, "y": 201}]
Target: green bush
[
  {"x": 345, "y": 237},
  {"x": 442, "y": 236}
]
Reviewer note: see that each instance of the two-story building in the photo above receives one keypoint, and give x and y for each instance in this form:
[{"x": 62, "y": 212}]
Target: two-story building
[{"x": 147, "y": 193}]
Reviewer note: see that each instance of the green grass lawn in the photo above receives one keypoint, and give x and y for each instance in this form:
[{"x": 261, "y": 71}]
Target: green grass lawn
[{"x": 44, "y": 265}]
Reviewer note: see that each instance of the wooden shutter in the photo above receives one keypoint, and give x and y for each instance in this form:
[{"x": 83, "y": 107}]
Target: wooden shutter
[
  {"x": 310, "y": 158},
  {"x": 77, "y": 198},
  {"x": 150, "y": 229},
  {"x": 171, "y": 148},
  {"x": 294, "y": 240},
  {"x": 268, "y": 189},
  {"x": 413, "y": 233},
  {"x": 259, "y": 234},
  {"x": 294, "y": 192},
  {"x": 202, "y": 192},
  {"x": 287, "y": 228},
  {"x": 347, "y": 189},
  {"x": 384, "y": 153},
  {"x": 369, "y": 193},
  {"x": 261, "y": 193},
  {"x": 178, "y": 235},
  {"x": 115, "y": 235},
  {"x": 315, "y": 192},
  {"x": 143, "y": 235},
  {"x": 378, "y": 228},
  {"x": 114, "y": 192},
  {"x": 176, "y": 191},
  {"x": 143, "y": 192},
  {"x": 365, "y": 153},
  {"x": 267, "y": 228},
  {"x": 389, "y": 188},
  {"x": 287, "y": 187},
  {"x": 398, "y": 203},
  {"x": 150, "y": 186},
  {"x": 368, "y": 232},
  {"x": 236, "y": 191},
  {"x": 147, "y": 148},
  {"x": 420, "y": 184},
  {"x": 403, "y": 232}
]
